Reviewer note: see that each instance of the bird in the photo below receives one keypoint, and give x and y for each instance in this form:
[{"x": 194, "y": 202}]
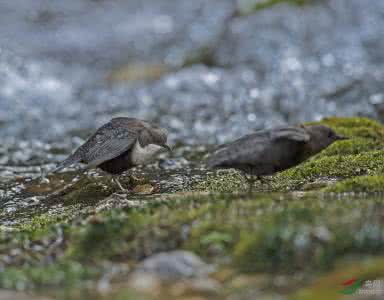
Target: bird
[
  {"x": 119, "y": 145},
  {"x": 266, "y": 152}
]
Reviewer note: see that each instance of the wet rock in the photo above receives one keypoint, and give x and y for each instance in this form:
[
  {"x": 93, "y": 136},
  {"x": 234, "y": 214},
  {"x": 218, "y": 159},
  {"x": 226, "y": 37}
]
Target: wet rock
[
  {"x": 117, "y": 201},
  {"x": 175, "y": 265}
]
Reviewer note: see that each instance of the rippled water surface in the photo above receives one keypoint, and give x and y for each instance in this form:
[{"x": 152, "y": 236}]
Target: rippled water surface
[{"x": 283, "y": 64}]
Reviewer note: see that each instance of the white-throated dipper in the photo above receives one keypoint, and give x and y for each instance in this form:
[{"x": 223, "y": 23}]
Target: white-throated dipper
[
  {"x": 269, "y": 151},
  {"x": 119, "y": 145}
]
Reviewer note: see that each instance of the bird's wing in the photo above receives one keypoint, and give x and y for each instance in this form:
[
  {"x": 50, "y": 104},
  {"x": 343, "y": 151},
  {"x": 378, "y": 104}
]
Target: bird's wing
[
  {"x": 256, "y": 147},
  {"x": 238, "y": 152},
  {"x": 292, "y": 133},
  {"x": 107, "y": 144}
]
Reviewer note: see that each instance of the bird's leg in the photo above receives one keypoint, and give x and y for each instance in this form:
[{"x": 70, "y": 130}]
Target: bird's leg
[
  {"x": 264, "y": 180},
  {"x": 261, "y": 179},
  {"x": 115, "y": 180},
  {"x": 251, "y": 182},
  {"x": 119, "y": 184},
  {"x": 135, "y": 180}
]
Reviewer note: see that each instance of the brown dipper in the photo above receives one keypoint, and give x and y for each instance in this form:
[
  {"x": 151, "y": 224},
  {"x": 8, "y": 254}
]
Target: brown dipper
[
  {"x": 119, "y": 145},
  {"x": 269, "y": 151}
]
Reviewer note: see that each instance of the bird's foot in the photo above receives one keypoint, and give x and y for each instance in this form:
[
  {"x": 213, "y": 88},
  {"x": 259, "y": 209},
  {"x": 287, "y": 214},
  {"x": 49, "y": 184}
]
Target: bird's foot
[
  {"x": 122, "y": 189},
  {"x": 251, "y": 182},
  {"x": 264, "y": 180}
]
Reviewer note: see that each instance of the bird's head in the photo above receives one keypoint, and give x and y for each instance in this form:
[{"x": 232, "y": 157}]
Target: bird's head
[
  {"x": 322, "y": 136},
  {"x": 159, "y": 136}
]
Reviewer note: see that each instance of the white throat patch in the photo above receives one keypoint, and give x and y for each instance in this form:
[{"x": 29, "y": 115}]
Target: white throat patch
[{"x": 145, "y": 155}]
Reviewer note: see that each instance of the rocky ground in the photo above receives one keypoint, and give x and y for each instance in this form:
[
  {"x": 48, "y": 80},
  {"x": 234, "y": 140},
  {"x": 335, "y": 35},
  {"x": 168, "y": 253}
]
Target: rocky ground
[
  {"x": 290, "y": 235},
  {"x": 209, "y": 71}
]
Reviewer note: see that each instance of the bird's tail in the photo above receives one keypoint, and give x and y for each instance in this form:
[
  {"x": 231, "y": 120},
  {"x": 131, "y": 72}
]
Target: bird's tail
[{"x": 70, "y": 160}]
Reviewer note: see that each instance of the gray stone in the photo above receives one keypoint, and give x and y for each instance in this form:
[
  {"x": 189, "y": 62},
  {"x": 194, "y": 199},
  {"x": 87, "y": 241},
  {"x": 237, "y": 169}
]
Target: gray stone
[{"x": 175, "y": 265}]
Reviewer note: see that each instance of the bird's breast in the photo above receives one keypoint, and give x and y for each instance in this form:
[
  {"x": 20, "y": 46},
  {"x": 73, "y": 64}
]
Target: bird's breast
[{"x": 144, "y": 155}]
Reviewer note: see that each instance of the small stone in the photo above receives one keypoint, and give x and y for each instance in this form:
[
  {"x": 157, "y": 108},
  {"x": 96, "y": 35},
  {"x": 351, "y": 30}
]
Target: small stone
[
  {"x": 44, "y": 180},
  {"x": 175, "y": 265}
]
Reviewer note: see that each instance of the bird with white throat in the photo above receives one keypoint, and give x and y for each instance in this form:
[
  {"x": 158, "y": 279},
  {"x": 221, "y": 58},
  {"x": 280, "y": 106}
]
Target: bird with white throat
[{"x": 119, "y": 145}]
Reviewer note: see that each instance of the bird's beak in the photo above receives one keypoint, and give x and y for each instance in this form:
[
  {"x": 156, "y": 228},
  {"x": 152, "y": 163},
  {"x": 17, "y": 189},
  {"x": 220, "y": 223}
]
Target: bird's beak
[
  {"x": 169, "y": 149},
  {"x": 341, "y": 137}
]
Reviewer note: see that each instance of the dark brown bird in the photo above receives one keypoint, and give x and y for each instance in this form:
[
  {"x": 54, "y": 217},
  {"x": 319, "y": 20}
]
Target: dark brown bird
[
  {"x": 269, "y": 151},
  {"x": 119, "y": 145}
]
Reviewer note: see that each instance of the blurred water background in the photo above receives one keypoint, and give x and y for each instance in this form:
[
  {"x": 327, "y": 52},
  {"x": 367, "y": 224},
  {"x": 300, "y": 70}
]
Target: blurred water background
[{"x": 209, "y": 71}]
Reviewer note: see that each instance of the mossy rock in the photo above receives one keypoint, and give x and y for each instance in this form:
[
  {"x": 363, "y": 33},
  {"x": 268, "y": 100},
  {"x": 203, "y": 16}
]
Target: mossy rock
[
  {"x": 263, "y": 233},
  {"x": 362, "y": 154},
  {"x": 337, "y": 166},
  {"x": 63, "y": 273},
  {"x": 224, "y": 181},
  {"x": 88, "y": 191},
  {"x": 365, "y": 184},
  {"x": 355, "y": 127},
  {"x": 352, "y": 146}
]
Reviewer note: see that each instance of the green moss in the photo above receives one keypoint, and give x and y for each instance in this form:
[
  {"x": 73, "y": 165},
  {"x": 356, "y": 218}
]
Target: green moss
[
  {"x": 222, "y": 181},
  {"x": 362, "y": 154},
  {"x": 355, "y": 127},
  {"x": 351, "y": 146},
  {"x": 62, "y": 273},
  {"x": 258, "y": 233},
  {"x": 107, "y": 235},
  {"x": 368, "y": 184},
  {"x": 307, "y": 236},
  {"x": 39, "y": 226},
  {"x": 41, "y": 222},
  {"x": 88, "y": 191},
  {"x": 261, "y": 233},
  {"x": 338, "y": 166}
]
